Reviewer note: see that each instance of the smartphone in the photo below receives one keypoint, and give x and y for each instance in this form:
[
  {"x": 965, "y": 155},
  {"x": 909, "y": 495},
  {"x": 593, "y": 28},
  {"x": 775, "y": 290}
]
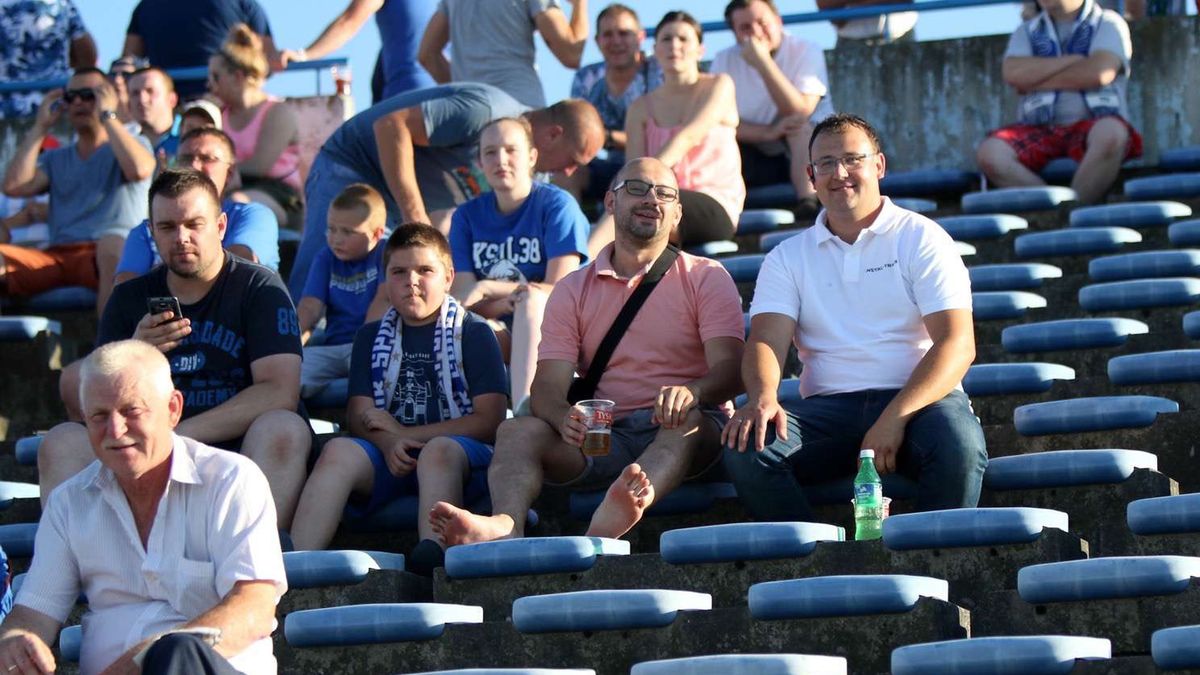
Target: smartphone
[{"x": 168, "y": 303}]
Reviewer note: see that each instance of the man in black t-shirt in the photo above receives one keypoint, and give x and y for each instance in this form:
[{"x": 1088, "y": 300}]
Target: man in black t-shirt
[{"x": 234, "y": 354}]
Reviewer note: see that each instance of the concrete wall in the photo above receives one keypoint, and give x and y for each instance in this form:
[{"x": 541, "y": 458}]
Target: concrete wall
[{"x": 934, "y": 101}]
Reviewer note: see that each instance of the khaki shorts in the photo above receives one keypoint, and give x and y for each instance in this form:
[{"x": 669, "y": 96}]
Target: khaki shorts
[{"x": 28, "y": 271}]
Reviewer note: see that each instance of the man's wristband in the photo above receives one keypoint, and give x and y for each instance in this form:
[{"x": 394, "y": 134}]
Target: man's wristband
[{"x": 107, "y": 115}]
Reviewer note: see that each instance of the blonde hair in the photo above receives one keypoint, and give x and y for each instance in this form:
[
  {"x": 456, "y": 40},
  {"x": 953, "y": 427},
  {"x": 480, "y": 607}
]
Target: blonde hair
[
  {"x": 243, "y": 51},
  {"x": 365, "y": 200},
  {"x": 115, "y": 358}
]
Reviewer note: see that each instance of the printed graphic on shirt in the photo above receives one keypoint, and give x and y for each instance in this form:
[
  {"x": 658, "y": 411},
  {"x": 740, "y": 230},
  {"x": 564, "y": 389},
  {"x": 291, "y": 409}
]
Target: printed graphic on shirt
[
  {"x": 417, "y": 399},
  {"x": 499, "y": 260},
  {"x": 362, "y": 281}
]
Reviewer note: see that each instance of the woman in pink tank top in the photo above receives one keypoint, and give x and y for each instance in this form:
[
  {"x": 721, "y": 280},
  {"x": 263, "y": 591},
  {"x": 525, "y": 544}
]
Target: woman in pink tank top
[
  {"x": 690, "y": 124},
  {"x": 265, "y": 133}
]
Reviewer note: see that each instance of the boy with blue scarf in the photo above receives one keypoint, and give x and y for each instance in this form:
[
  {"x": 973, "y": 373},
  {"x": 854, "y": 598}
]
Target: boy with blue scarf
[
  {"x": 1070, "y": 67},
  {"x": 427, "y": 391}
]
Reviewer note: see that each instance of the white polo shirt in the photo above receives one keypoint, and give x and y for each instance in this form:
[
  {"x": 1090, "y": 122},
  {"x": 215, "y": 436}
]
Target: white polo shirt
[
  {"x": 802, "y": 62},
  {"x": 215, "y": 526},
  {"x": 858, "y": 307}
]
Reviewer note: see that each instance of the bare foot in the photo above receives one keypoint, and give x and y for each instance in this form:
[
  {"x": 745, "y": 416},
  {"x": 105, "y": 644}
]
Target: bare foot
[
  {"x": 455, "y": 526},
  {"x": 629, "y": 495}
]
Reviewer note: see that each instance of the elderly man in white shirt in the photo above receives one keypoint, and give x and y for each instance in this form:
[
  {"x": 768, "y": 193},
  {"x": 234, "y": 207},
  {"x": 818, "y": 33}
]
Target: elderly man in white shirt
[
  {"x": 163, "y": 534},
  {"x": 878, "y": 304}
]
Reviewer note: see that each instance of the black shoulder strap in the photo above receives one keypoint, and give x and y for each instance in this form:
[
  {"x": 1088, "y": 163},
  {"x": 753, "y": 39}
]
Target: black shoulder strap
[{"x": 585, "y": 388}]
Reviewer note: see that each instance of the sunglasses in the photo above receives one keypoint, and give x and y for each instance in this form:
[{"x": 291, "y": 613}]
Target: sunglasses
[{"x": 85, "y": 95}]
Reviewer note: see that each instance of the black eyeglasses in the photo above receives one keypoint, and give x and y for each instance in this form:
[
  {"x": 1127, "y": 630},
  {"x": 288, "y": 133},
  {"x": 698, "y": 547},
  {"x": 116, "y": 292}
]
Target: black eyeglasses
[
  {"x": 85, "y": 95},
  {"x": 639, "y": 188},
  {"x": 829, "y": 165}
]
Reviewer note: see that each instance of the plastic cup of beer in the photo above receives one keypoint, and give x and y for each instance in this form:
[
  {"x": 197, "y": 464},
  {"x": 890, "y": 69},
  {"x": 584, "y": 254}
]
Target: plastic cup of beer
[{"x": 598, "y": 417}]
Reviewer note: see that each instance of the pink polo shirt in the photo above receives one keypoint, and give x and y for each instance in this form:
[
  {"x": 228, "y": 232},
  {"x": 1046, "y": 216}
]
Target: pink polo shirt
[{"x": 696, "y": 301}]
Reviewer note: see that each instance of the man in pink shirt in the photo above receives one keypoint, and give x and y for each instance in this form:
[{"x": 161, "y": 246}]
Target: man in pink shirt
[{"x": 670, "y": 375}]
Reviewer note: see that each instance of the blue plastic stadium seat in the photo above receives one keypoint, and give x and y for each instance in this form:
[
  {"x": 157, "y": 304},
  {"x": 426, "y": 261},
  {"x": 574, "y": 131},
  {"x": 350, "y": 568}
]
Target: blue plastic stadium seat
[
  {"x": 1094, "y": 413},
  {"x": 334, "y": 395},
  {"x": 964, "y": 249},
  {"x": 1164, "y": 515},
  {"x": 1025, "y": 654},
  {"x": 1180, "y": 159},
  {"x": 1130, "y": 214},
  {"x": 531, "y": 555},
  {"x": 1011, "y": 276},
  {"x": 10, "y": 491},
  {"x": 603, "y": 610},
  {"x": 63, "y": 299},
  {"x": 1106, "y": 578},
  {"x": 1059, "y": 171},
  {"x": 17, "y": 539},
  {"x": 1165, "y": 186},
  {"x": 1176, "y": 648},
  {"x": 744, "y": 541},
  {"x": 917, "y": 205},
  {"x": 687, "y": 498},
  {"x": 1000, "y": 379},
  {"x": 27, "y": 449},
  {"x": 286, "y": 235},
  {"x": 771, "y": 196},
  {"x": 745, "y": 664},
  {"x": 757, "y": 221},
  {"x": 770, "y": 240},
  {"x": 70, "y": 640},
  {"x": 1046, "y": 336},
  {"x": 1065, "y": 468},
  {"x": 1191, "y": 325},
  {"x": 25, "y": 328},
  {"x": 374, "y": 623},
  {"x": 1176, "y": 365},
  {"x": 986, "y": 226},
  {"x": 926, "y": 182},
  {"x": 850, "y": 595},
  {"x": 1184, "y": 232},
  {"x": 308, "y": 569},
  {"x": 1082, "y": 241},
  {"x": 1139, "y": 294},
  {"x": 991, "y": 305},
  {"x": 1145, "y": 265},
  {"x": 743, "y": 268},
  {"x": 712, "y": 249},
  {"x": 1016, "y": 200},
  {"x": 954, "y": 528}
]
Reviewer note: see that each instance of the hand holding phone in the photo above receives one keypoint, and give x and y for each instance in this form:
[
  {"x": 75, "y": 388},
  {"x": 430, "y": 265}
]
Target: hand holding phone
[{"x": 164, "y": 325}]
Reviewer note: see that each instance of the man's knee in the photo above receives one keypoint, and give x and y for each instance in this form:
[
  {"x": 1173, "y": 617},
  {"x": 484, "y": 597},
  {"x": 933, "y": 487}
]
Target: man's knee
[
  {"x": 994, "y": 153},
  {"x": 948, "y": 432},
  {"x": 1108, "y": 137},
  {"x": 523, "y": 436},
  {"x": 280, "y": 434},
  {"x": 179, "y": 653},
  {"x": 442, "y": 455},
  {"x": 339, "y": 455}
]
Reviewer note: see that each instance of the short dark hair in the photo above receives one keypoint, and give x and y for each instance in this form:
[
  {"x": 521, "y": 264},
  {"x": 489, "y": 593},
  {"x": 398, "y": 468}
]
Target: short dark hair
[
  {"x": 174, "y": 183},
  {"x": 154, "y": 69},
  {"x": 418, "y": 235},
  {"x": 683, "y": 17},
  {"x": 838, "y": 123},
  {"x": 735, "y": 5},
  {"x": 614, "y": 9},
  {"x": 89, "y": 70},
  {"x": 215, "y": 133}
]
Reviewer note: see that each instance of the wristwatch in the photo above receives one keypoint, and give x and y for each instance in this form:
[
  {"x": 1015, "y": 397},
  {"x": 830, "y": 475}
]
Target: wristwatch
[{"x": 106, "y": 115}]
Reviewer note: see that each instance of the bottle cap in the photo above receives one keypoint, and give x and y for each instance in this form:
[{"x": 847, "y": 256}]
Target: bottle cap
[{"x": 865, "y": 454}]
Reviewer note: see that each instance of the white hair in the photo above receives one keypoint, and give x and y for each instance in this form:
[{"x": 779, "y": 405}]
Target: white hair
[{"x": 115, "y": 358}]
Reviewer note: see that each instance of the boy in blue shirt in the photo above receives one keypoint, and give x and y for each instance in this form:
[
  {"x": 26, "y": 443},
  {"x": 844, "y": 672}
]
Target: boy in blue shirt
[
  {"x": 343, "y": 284},
  {"x": 427, "y": 392}
]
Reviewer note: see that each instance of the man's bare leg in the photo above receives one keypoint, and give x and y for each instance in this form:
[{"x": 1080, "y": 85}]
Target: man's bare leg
[
  {"x": 68, "y": 389},
  {"x": 279, "y": 442},
  {"x": 108, "y": 255},
  {"x": 64, "y": 452},
  {"x": 527, "y": 451},
  {"x": 1106, "y": 144},
  {"x": 998, "y": 161},
  {"x": 659, "y": 470},
  {"x": 343, "y": 468},
  {"x": 797, "y": 143}
]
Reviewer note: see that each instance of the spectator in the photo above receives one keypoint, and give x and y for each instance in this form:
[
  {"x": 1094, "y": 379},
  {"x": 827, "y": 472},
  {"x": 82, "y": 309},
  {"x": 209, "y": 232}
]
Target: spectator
[
  {"x": 162, "y": 533},
  {"x": 885, "y": 337},
  {"x": 511, "y": 245},
  {"x": 426, "y": 395},
  {"x": 251, "y": 231},
  {"x": 400, "y": 23},
  {"x": 1070, "y": 67},
  {"x": 119, "y": 73},
  {"x": 265, "y": 133},
  {"x": 43, "y": 40},
  {"x": 97, "y": 189},
  {"x": 690, "y": 124},
  {"x": 670, "y": 386},
  {"x": 612, "y": 85},
  {"x": 199, "y": 114},
  {"x": 782, "y": 91},
  {"x": 172, "y": 34},
  {"x": 343, "y": 285},
  {"x": 875, "y": 30},
  {"x": 492, "y": 42},
  {"x": 417, "y": 150},
  {"x": 234, "y": 353},
  {"x": 152, "y": 102}
]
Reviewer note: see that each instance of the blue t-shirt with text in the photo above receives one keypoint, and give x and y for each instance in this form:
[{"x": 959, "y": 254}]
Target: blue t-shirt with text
[{"x": 346, "y": 288}]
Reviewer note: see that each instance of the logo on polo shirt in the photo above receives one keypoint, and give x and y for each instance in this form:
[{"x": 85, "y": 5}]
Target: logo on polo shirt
[{"x": 883, "y": 266}]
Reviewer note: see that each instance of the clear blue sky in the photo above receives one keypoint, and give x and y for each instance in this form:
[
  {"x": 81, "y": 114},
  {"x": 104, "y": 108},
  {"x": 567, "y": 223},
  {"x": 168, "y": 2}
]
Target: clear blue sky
[{"x": 295, "y": 23}]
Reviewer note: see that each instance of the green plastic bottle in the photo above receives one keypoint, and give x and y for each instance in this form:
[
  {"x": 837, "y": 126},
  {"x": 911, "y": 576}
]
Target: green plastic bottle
[{"x": 868, "y": 499}]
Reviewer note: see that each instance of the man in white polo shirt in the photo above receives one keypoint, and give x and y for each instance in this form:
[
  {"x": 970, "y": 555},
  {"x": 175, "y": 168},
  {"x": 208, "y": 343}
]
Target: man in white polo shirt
[{"x": 878, "y": 303}]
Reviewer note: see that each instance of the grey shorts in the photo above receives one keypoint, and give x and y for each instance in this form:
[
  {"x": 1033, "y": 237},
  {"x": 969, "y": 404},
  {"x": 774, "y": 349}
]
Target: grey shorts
[{"x": 631, "y": 435}]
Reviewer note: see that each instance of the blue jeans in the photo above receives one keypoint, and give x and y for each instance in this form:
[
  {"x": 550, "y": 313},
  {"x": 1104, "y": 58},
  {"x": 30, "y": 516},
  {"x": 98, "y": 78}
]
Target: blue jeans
[{"x": 943, "y": 451}]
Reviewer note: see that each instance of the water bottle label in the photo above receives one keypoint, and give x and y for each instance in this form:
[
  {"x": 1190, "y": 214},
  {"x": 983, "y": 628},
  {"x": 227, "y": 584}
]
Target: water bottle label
[{"x": 868, "y": 493}]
